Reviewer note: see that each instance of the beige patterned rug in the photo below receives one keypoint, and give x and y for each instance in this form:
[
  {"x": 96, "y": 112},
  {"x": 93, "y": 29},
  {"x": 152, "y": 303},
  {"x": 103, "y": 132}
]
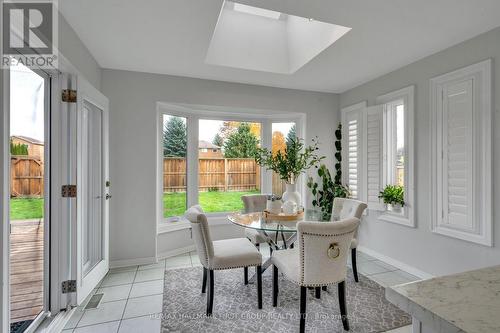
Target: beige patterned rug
[{"x": 235, "y": 305}]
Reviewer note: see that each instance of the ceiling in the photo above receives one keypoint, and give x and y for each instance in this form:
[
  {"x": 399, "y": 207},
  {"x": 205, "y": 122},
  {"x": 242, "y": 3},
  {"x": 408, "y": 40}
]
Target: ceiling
[{"x": 172, "y": 37}]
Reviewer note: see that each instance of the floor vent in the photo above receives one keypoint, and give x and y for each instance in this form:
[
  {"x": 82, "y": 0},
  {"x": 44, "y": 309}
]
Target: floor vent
[{"x": 94, "y": 301}]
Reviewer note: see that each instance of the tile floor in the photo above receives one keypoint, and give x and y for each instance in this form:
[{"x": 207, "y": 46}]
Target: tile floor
[{"x": 133, "y": 295}]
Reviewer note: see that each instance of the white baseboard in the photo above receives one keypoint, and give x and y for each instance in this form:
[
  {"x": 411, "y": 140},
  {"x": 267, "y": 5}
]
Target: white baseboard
[
  {"x": 396, "y": 263},
  {"x": 176, "y": 252},
  {"x": 132, "y": 262}
]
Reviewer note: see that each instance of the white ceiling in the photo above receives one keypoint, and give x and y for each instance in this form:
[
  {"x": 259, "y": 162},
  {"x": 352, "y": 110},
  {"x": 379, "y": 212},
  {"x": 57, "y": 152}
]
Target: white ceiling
[{"x": 172, "y": 37}]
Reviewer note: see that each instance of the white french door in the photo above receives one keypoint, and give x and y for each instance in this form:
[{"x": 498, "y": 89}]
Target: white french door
[{"x": 92, "y": 227}]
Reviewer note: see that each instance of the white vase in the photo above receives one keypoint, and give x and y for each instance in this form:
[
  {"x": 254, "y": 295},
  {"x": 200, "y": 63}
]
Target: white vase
[{"x": 291, "y": 194}]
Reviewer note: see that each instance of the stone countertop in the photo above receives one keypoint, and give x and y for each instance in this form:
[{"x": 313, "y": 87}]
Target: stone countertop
[{"x": 465, "y": 302}]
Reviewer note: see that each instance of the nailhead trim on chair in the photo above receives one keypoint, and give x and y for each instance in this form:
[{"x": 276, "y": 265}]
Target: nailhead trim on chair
[
  {"x": 301, "y": 282},
  {"x": 224, "y": 268}
]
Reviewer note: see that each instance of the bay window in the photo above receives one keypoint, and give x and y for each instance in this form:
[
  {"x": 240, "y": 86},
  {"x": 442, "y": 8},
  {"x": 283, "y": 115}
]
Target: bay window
[{"x": 207, "y": 158}]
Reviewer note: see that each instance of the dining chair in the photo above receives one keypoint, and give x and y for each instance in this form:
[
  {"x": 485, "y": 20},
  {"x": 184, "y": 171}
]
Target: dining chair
[
  {"x": 221, "y": 255},
  {"x": 319, "y": 261},
  {"x": 345, "y": 208},
  {"x": 254, "y": 203}
]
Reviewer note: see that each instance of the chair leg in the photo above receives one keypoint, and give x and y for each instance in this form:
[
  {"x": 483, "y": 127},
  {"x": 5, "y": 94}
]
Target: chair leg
[
  {"x": 354, "y": 267},
  {"x": 303, "y": 296},
  {"x": 210, "y": 295},
  {"x": 271, "y": 251},
  {"x": 342, "y": 305},
  {"x": 245, "y": 275},
  {"x": 204, "y": 285},
  {"x": 318, "y": 292},
  {"x": 275, "y": 286},
  {"x": 259, "y": 286},
  {"x": 324, "y": 288}
]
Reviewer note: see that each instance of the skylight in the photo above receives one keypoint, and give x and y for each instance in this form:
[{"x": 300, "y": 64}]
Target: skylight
[
  {"x": 260, "y": 39},
  {"x": 256, "y": 11}
]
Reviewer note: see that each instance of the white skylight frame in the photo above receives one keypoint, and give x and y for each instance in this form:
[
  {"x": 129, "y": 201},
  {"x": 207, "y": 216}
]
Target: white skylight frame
[
  {"x": 239, "y": 7},
  {"x": 256, "y": 39}
]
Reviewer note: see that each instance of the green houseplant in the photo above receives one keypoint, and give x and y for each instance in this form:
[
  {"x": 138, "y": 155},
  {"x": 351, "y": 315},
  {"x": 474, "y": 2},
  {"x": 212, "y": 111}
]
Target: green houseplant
[
  {"x": 328, "y": 189},
  {"x": 290, "y": 164},
  {"x": 394, "y": 196}
]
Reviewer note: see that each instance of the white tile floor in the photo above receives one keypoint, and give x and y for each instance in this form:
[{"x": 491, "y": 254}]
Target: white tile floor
[{"x": 133, "y": 295}]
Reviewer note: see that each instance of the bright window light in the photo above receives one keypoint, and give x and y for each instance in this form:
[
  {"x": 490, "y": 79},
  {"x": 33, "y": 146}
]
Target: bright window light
[{"x": 257, "y": 11}]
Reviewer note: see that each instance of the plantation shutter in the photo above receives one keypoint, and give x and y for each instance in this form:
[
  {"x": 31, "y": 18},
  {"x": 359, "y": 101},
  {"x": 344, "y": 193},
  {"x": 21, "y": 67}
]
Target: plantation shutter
[
  {"x": 352, "y": 133},
  {"x": 374, "y": 155},
  {"x": 458, "y": 156}
]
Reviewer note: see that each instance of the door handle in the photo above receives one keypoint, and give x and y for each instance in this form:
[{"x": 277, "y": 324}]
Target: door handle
[{"x": 108, "y": 196}]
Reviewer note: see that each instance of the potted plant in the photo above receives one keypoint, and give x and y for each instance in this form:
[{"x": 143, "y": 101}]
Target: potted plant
[
  {"x": 325, "y": 192},
  {"x": 329, "y": 188},
  {"x": 393, "y": 196},
  {"x": 290, "y": 164}
]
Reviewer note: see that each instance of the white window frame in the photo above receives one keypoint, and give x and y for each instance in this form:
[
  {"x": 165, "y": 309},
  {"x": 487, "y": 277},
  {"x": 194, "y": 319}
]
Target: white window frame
[
  {"x": 360, "y": 109},
  {"x": 407, "y": 95},
  {"x": 481, "y": 75},
  {"x": 195, "y": 113}
]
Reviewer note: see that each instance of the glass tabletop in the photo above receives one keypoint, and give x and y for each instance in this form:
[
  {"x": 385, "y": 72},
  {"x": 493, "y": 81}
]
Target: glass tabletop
[{"x": 258, "y": 222}]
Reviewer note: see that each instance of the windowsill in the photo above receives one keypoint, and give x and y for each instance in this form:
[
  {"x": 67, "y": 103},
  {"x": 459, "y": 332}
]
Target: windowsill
[
  {"x": 396, "y": 218},
  {"x": 214, "y": 219}
]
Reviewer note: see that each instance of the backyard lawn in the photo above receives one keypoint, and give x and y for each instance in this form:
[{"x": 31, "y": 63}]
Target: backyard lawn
[
  {"x": 174, "y": 204},
  {"x": 25, "y": 209}
]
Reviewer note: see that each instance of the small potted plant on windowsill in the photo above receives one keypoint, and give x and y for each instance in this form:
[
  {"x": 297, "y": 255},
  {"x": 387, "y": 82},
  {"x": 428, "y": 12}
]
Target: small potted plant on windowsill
[{"x": 393, "y": 196}]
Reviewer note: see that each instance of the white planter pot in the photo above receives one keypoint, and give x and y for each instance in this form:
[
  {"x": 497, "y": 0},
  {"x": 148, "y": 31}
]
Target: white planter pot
[
  {"x": 395, "y": 208},
  {"x": 291, "y": 194}
]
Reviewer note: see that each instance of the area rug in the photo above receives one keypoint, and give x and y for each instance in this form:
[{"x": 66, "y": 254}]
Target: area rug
[{"x": 235, "y": 305}]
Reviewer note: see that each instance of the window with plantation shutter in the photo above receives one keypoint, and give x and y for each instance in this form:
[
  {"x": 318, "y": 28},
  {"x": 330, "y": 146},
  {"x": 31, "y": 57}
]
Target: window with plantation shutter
[
  {"x": 352, "y": 125},
  {"x": 374, "y": 155},
  {"x": 353, "y": 156},
  {"x": 461, "y": 178}
]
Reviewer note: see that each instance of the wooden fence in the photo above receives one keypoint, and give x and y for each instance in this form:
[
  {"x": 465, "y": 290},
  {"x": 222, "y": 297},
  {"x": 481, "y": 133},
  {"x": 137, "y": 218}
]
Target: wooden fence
[
  {"x": 222, "y": 174},
  {"x": 26, "y": 177}
]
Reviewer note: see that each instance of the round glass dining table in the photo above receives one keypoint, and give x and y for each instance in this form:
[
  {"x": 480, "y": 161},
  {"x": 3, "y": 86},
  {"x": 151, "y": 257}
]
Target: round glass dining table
[
  {"x": 275, "y": 230},
  {"x": 259, "y": 222},
  {"x": 280, "y": 234}
]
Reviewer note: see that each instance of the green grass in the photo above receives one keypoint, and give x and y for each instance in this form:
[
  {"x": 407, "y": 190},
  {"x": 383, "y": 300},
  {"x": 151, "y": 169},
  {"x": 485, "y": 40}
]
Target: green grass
[
  {"x": 174, "y": 204},
  {"x": 25, "y": 209}
]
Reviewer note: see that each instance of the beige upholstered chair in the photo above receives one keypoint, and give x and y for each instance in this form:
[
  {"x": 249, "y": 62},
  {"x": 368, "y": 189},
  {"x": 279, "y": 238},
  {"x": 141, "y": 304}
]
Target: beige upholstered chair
[
  {"x": 319, "y": 261},
  {"x": 343, "y": 209},
  {"x": 222, "y": 254},
  {"x": 254, "y": 203}
]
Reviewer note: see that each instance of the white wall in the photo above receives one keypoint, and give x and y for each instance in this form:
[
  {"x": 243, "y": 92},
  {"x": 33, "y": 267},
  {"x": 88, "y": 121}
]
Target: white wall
[
  {"x": 77, "y": 53},
  {"x": 133, "y": 97},
  {"x": 419, "y": 247}
]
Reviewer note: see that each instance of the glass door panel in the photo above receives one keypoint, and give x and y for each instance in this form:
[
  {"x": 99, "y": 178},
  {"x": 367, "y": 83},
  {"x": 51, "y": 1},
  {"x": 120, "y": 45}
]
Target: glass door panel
[
  {"x": 29, "y": 219},
  {"x": 92, "y": 187}
]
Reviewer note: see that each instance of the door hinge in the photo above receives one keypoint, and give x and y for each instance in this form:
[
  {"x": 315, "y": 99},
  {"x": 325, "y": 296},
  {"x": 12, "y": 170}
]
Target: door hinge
[
  {"x": 68, "y": 191},
  {"x": 69, "y": 96},
  {"x": 68, "y": 286}
]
